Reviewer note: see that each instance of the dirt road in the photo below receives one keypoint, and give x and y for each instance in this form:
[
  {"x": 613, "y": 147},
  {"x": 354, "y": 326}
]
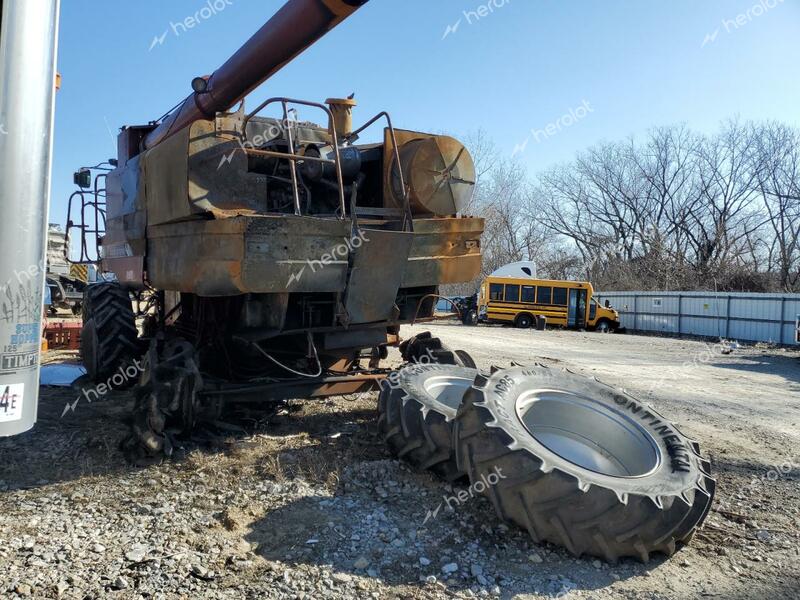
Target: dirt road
[{"x": 304, "y": 501}]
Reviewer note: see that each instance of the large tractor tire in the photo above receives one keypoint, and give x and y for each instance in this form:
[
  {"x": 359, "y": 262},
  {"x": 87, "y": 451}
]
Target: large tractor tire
[
  {"x": 426, "y": 349},
  {"x": 581, "y": 465},
  {"x": 109, "y": 339},
  {"x": 417, "y": 406}
]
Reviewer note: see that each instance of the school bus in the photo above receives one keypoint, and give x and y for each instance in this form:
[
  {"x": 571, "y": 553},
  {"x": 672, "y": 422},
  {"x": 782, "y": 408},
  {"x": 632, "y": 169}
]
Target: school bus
[{"x": 519, "y": 301}]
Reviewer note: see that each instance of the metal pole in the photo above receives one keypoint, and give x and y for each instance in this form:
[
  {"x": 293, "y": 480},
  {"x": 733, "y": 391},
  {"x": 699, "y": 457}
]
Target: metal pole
[
  {"x": 728, "y": 318},
  {"x": 783, "y": 318},
  {"x": 28, "y": 42}
]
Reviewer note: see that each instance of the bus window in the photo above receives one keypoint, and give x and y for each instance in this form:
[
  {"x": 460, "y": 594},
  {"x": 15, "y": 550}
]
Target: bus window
[
  {"x": 529, "y": 294},
  {"x": 545, "y": 295},
  {"x": 592, "y": 309},
  {"x": 496, "y": 291},
  {"x": 560, "y": 296},
  {"x": 512, "y": 293}
]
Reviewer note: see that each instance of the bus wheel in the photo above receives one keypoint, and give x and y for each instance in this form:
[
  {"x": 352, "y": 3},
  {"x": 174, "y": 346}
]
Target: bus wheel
[
  {"x": 603, "y": 326},
  {"x": 523, "y": 321},
  {"x": 471, "y": 318}
]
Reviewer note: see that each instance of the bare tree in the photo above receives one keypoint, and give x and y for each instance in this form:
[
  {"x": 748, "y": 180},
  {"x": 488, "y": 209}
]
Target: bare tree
[
  {"x": 676, "y": 210},
  {"x": 777, "y": 165}
]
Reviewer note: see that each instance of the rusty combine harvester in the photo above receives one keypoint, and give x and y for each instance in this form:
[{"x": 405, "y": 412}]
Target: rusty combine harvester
[{"x": 270, "y": 256}]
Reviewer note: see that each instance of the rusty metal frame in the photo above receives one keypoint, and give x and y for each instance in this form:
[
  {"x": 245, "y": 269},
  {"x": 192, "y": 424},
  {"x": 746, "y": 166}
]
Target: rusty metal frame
[
  {"x": 290, "y": 387},
  {"x": 292, "y": 156}
]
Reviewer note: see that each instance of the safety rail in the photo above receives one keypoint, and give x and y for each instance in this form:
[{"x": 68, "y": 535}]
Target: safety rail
[
  {"x": 96, "y": 203},
  {"x": 295, "y": 158},
  {"x": 292, "y": 156},
  {"x": 408, "y": 222}
]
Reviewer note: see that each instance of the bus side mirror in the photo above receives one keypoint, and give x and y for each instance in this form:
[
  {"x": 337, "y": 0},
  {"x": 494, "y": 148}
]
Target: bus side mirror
[{"x": 608, "y": 304}]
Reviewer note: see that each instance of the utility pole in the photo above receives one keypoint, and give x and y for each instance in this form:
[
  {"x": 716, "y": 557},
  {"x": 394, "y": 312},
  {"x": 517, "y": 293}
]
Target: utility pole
[{"x": 28, "y": 45}]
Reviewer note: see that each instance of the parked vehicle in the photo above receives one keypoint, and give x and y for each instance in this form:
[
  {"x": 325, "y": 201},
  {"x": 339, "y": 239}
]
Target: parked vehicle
[{"x": 563, "y": 303}]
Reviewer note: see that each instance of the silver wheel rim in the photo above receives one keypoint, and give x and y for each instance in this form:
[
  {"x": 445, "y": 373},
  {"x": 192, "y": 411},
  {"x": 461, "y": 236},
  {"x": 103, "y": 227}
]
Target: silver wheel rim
[
  {"x": 588, "y": 433},
  {"x": 447, "y": 390}
]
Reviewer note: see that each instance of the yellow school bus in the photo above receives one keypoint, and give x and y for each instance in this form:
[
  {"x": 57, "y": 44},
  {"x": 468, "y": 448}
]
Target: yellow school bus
[{"x": 519, "y": 301}]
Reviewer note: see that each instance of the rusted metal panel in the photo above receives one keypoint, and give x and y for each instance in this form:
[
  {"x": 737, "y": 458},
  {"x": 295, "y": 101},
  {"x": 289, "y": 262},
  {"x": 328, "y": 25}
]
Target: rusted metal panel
[
  {"x": 126, "y": 220},
  {"x": 166, "y": 172},
  {"x": 246, "y": 254},
  {"x": 378, "y": 266},
  {"x": 445, "y": 250},
  {"x": 218, "y": 177},
  {"x": 129, "y": 142},
  {"x": 285, "y": 253},
  {"x": 296, "y": 254},
  {"x": 129, "y": 270}
]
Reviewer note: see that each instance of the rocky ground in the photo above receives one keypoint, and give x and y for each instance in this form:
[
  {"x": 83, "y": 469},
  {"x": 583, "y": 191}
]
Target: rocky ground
[{"x": 303, "y": 501}]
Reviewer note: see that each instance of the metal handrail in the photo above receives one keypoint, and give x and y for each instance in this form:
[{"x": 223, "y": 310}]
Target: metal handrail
[
  {"x": 97, "y": 204},
  {"x": 408, "y": 221},
  {"x": 292, "y": 156}
]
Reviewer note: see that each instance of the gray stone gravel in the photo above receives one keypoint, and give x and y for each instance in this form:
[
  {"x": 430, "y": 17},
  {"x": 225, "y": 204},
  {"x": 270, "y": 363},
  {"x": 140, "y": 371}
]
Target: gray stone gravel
[{"x": 307, "y": 505}]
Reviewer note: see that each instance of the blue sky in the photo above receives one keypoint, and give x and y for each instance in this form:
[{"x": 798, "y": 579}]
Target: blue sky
[{"x": 524, "y": 65}]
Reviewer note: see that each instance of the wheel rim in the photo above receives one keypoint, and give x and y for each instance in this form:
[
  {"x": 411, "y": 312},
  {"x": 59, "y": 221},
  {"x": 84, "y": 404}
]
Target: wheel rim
[
  {"x": 448, "y": 390},
  {"x": 588, "y": 434},
  {"x": 603, "y": 327}
]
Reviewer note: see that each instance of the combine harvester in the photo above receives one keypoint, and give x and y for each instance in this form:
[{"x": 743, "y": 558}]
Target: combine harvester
[{"x": 271, "y": 258}]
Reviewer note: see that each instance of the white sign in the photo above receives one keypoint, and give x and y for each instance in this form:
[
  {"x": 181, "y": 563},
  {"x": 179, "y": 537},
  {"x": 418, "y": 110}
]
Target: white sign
[{"x": 11, "y": 402}]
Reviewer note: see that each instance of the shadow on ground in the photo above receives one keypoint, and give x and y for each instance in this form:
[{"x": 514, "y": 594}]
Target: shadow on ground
[
  {"x": 787, "y": 367},
  {"x": 72, "y": 440}
]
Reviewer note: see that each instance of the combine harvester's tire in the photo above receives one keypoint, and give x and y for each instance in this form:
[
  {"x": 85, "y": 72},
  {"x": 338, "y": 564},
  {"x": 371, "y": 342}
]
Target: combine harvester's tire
[
  {"x": 582, "y": 465},
  {"x": 416, "y": 409},
  {"x": 426, "y": 349},
  {"x": 165, "y": 401},
  {"x": 109, "y": 339}
]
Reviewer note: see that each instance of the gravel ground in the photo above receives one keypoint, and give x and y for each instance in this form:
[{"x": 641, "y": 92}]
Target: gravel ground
[{"x": 303, "y": 501}]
